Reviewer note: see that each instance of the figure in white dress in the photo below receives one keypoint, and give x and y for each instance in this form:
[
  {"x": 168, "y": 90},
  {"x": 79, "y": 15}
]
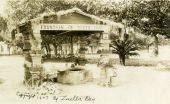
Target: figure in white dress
[{"x": 107, "y": 72}]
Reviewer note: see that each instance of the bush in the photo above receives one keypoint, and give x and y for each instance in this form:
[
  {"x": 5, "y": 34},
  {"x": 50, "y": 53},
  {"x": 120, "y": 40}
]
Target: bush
[
  {"x": 124, "y": 47},
  {"x": 99, "y": 52},
  {"x": 82, "y": 50}
]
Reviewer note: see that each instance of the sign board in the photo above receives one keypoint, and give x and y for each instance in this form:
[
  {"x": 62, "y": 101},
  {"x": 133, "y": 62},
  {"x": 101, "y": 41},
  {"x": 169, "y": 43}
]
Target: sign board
[{"x": 74, "y": 27}]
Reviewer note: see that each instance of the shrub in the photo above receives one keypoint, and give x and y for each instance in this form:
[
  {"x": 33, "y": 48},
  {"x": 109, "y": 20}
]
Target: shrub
[{"x": 124, "y": 48}]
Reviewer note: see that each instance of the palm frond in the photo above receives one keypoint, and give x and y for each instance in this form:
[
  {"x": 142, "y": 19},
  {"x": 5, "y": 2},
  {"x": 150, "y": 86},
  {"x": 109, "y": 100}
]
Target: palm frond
[{"x": 124, "y": 47}]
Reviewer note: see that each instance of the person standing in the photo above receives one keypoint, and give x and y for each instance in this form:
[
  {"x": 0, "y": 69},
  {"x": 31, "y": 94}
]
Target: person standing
[
  {"x": 107, "y": 73},
  {"x": 103, "y": 70}
]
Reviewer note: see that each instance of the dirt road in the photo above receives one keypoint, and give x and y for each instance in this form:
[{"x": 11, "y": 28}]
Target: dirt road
[{"x": 135, "y": 85}]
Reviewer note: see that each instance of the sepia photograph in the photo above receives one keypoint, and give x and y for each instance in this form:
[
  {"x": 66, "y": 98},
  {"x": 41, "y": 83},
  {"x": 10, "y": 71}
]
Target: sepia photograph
[{"x": 85, "y": 51}]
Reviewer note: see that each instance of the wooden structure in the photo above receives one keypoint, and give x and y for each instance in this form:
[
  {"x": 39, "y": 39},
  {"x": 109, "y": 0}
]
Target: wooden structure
[{"x": 67, "y": 32}]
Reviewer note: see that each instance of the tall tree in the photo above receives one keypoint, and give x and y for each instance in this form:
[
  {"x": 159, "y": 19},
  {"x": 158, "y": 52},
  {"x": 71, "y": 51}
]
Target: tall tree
[
  {"x": 3, "y": 26},
  {"x": 22, "y": 10},
  {"x": 150, "y": 17}
]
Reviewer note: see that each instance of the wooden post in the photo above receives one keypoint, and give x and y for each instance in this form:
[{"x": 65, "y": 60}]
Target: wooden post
[{"x": 71, "y": 40}]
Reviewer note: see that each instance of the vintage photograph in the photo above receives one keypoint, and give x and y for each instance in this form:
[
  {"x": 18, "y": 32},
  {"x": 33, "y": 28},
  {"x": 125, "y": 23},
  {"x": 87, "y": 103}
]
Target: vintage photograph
[{"x": 84, "y": 51}]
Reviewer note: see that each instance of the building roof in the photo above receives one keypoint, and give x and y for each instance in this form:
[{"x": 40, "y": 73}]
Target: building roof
[{"x": 77, "y": 10}]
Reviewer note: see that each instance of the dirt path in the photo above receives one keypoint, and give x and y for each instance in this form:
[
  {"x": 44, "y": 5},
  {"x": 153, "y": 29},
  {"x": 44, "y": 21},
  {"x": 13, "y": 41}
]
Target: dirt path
[
  {"x": 135, "y": 85},
  {"x": 12, "y": 74}
]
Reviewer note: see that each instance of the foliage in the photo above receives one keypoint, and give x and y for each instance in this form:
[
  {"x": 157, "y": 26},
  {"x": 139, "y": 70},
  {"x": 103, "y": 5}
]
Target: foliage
[
  {"x": 1, "y": 38},
  {"x": 19, "y": 42},
  {"x": 3, "y": 24},
  {"x": 150, "y": 16},
  {"x": 156, "y": 11},
  {"x": 82, "y": 50},
  {"x": 28, "y": 9},
  {"x": 3, "y": 28},
  {"x": 24, "y": 10},
  {"x": 124, "y": 47},
  {"x": 163, "y": 40}
]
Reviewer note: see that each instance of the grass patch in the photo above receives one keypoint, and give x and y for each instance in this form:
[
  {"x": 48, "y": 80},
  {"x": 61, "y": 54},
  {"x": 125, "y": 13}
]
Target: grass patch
[
  {"x": 130, "y": 62},
  {"x": 141, "y": 62}
]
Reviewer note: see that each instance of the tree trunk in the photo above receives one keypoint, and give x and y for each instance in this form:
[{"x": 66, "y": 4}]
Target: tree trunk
[
  {"x": 122, "y": 60},
  {"x": 148, "y": 48},
  {"x": 155, "y": 45}
]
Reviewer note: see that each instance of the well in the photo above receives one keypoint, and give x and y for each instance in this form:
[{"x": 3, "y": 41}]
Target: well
[{"x": 72, "y": 76}]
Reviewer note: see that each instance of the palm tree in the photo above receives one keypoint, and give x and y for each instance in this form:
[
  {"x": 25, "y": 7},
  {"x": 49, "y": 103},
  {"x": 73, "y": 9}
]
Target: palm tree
[{"x": 124, "y": 47}]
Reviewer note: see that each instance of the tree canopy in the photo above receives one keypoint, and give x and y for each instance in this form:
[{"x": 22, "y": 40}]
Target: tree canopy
[
  {"x": 148, "y": 16},
  {"x": 28, "y": 9}
]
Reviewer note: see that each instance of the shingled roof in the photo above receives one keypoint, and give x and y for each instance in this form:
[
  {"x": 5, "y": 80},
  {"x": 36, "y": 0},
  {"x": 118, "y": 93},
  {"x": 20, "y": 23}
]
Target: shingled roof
[{"x": 77, "y": 10}]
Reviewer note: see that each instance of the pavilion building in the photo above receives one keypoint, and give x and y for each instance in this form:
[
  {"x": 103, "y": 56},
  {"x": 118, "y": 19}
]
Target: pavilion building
[{"x": 68, "y": 32}]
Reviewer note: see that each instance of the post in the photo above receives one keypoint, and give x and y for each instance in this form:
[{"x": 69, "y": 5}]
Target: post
[
  {"x": 71, "y": 40},
  {"x": 36, "y": 51}
]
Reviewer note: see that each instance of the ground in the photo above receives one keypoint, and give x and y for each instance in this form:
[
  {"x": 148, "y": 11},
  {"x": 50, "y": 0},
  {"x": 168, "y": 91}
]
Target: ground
[{"x": 134, "y": 85}]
